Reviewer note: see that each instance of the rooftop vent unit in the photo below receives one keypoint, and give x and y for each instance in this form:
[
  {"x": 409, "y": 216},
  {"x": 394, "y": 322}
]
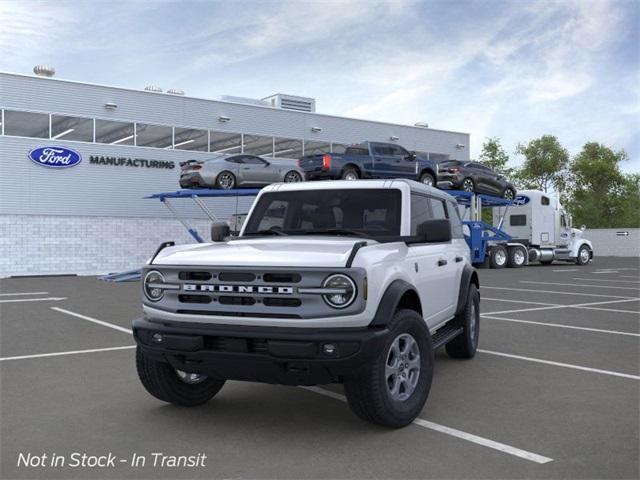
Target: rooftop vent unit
[
  {"x": 291, "y": 102},
  {"x": 175, "y": 91},
  {"x": 44, "y": 71},
  {"x": 153, "y": 88}
]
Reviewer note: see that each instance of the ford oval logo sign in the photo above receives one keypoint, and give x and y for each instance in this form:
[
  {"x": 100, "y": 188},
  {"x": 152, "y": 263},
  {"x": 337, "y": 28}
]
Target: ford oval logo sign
[
  {"x": 521, "y": 200},
  {"x": 55, "y": 157}
]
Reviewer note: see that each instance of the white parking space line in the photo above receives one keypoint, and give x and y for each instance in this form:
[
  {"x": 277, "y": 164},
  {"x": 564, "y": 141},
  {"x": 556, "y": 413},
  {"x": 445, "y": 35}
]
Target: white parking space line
[
  {"x": 587, "y": 306},
  {"x": 518, "y": 301},
  {"x": 534, "y": 290},
  {"x": 469, "y": 437},
  {"x": 561, "y": 325},
  {"x": 22, "y": 293},
  {"x": 567, "y": 270},
  {"x": 71, "y": 352},
  {"x": 93, "y": 320},
  {"x": 628, "y": 276},
  {"x": 604, "y": 280},
  {"x": 20, "y": 300},
  {"x": 606, "y": 272},
  {"x": 582, "y": 285},
  {"x": 560, "y": 364}
]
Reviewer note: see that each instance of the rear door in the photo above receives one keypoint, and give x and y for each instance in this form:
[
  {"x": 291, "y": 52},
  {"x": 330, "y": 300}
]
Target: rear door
[
  {"x": 403, "y": 166},
  {"x": 435, "y": 268},
  {"x": 383, "y": 159}
]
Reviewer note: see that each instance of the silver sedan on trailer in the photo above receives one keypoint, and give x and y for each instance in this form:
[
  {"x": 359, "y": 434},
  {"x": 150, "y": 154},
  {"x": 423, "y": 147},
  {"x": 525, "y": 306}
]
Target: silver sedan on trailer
[{"x": 234, "y": 171}]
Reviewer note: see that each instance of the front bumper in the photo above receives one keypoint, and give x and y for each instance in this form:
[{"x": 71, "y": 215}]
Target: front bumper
[{"x": 288, "y": 356}]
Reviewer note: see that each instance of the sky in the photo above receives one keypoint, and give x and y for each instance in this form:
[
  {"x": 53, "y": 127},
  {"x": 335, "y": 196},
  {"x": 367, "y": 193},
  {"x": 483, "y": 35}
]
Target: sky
[{"x": 509, "y": 69}]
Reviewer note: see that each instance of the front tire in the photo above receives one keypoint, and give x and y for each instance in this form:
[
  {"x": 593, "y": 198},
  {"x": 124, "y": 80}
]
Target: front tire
[
  {"x": 393, "y": 389},
  {"x": 173, "y": 386},
  {"x": 509, "y": 194},
  {"x": 226, "y": 180},
  {"x": 466, "y": 344},
  {"x": 584, "y": 255}
]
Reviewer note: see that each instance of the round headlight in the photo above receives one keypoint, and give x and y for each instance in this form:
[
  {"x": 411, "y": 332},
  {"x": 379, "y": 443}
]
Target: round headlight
[
  {"x": 150, "y": 279},
  {"x": 345, "y": 291}
]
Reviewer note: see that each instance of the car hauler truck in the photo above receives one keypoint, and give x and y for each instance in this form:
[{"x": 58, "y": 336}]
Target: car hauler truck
[{"x": 538, "y": 221}]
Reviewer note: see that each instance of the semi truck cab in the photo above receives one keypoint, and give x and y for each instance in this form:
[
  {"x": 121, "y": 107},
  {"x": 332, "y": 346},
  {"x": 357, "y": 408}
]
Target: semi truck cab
[{"x": 538, "y": 221}]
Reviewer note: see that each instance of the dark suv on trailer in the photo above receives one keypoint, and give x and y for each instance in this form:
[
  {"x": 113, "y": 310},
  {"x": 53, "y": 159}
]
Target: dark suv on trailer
[{"x": 474, "y": 177}]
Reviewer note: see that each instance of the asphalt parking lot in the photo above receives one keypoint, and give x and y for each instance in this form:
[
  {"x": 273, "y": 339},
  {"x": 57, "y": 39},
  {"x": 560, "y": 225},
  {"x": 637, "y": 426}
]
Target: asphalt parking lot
[{"x": 552, "y": 393}]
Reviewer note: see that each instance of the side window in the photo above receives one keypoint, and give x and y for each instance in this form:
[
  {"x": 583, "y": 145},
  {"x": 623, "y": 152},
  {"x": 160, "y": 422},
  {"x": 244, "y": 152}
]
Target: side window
[
  {"x": 420, "y": 211},
  {"x": 437, "y": 207},
  {"x": 399, "y": 151},
  {"x": 235, "y": 160},
  {"x": 544, "y": 201},
  {"x": 456, "y": 222},
  {"x": 518, "y": 220},
  {"x": 563, "y": 220},
  {"x": 251, "y": 160}
]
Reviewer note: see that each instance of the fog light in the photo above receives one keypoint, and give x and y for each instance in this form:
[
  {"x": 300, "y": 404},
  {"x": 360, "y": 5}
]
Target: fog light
[
  {"x": 329, "y": 348},
  {"x": 157, "y": 338}
]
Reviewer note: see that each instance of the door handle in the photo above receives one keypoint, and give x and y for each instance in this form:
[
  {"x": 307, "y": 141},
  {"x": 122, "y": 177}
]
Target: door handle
[
  {"x": 442, "y": 262},
  {"x": 246, "y": 168},
  {"x": 459, "y": 259}
]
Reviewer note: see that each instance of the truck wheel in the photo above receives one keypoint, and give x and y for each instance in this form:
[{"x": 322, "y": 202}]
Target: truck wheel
[
  {"x": 174, "y": 386},
  {"x": 427, "y": 179},
  {"x": 350, "y": 174},
  {"x": 465, "y": 344},
  {"x": 393, "y": 389},
  {"x": 508, "y": 194},
  {"x": 498, "y": 256},
  {"x": 517, "y": 257},
  {"x": 226, "y": 180},
  {"x": 584, "y": 255}
]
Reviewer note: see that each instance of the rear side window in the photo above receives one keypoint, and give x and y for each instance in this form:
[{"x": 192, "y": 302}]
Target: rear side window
[
  {"x": 438, "y": 210},
  {"x": 518, "y": 220},
  {"x": 420, "y": 211},
  {"x": 456, "y": 222}
]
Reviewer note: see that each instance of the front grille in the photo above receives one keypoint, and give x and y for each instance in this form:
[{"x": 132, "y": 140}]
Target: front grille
[
  {"x": 238, "y": 345},
  {"x": 194, "y": 298},
  {"x": 217, "y": 313},
  {"x": 195, "y": 276},
  {"x": 228, "y": 300},
  {"x": 282, "y": 277},
  {"x": 236, "y": 277},
  {"x": 282, "y": 302}
]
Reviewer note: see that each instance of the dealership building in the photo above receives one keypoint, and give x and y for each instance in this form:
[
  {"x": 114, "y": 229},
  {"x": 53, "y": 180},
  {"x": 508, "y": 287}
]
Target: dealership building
[{"x": 92, "y": 217}]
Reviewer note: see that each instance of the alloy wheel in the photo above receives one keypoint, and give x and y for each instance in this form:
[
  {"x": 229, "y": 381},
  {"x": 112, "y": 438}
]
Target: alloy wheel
[
  {"x": 467, "y": 185},
  {"x": 402, "y": 367},
  {"x": 292, "y": 177}
]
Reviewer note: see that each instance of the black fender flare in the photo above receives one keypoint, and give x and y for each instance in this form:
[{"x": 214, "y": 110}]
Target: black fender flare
[
  {"x": 389, "y": 302},
  {"x": 469, "y": 276}
]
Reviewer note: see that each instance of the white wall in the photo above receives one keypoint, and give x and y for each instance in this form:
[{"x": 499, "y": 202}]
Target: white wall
[
  {"x": 608, "y": 242},
  {"x": 50, "y": 245}
]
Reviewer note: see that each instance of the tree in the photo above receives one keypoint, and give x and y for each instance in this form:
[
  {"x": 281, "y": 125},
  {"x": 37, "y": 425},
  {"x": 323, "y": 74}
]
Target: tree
[
  {"x": 545, "y": 164},
  {"x": 495, "y": 157},
  {"x": 601, "y": 196}
]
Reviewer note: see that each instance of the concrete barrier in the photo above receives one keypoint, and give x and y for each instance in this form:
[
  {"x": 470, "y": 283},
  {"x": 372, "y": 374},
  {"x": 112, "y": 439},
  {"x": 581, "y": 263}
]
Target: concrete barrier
[{"x": 614, "y": 242}]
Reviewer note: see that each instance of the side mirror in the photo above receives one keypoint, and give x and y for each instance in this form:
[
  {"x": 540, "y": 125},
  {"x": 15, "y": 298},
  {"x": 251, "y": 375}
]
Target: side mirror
[
  {"x": 219, "y": 231},
  {"x": 434, "y": 231},
  {"x": 411, "y": 156}
]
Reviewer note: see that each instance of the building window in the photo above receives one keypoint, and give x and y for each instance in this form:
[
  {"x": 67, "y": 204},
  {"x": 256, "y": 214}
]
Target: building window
[
  {"x": 190, "y": 139},
  {"x": 258, "y": 145},
  {"x": 157, "y": 136},
  {"x": 315, "y": 148},
  {"x": 287, "y": 148},
  {"x": 26, "y": 124},
  {"x": 225, "y": 142},
  {"x": 71, "y": 128},
  {"x": 114, "y": 133}
]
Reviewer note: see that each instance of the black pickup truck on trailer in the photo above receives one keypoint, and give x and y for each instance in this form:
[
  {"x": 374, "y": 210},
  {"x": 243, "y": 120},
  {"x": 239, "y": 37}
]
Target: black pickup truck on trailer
[{"x": 370, "y": 160}]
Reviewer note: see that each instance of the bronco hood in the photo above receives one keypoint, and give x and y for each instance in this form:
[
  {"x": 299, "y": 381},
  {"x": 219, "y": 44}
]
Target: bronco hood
[{"x": 308, "y": 251}]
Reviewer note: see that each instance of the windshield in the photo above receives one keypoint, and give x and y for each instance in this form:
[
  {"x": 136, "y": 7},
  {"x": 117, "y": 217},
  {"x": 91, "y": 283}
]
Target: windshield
[{"x": 352, "y": 212}]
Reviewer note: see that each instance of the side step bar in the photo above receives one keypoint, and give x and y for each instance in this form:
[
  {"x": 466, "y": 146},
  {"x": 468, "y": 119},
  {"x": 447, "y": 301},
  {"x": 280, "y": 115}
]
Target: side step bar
[{"x": 445, "y": 335}]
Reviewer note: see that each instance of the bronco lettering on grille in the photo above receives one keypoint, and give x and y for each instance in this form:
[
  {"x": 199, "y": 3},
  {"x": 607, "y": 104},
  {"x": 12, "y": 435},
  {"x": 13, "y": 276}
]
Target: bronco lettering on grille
[{"x": 192, "y": 287}]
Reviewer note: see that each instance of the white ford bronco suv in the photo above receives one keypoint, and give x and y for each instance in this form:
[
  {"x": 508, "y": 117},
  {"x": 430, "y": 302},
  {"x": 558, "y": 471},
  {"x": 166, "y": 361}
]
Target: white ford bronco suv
[{"x": 328, "y": 282}]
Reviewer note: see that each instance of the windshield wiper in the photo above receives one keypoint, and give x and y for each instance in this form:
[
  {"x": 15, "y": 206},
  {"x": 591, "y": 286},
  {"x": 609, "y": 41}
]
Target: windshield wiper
[{"x": 337, "y": 231}]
